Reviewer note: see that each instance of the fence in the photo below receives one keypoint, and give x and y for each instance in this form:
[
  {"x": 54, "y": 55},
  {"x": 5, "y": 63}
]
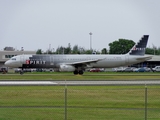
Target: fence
[{"x": 80, "y": 102}]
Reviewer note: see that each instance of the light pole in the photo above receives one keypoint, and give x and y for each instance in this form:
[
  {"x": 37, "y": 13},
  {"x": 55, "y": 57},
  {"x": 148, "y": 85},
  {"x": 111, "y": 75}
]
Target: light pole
[{"x": 90, "y": 41}]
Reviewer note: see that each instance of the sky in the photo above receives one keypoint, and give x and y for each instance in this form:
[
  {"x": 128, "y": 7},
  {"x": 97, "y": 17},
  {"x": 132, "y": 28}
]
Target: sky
[{"x": 44, "y": 24}]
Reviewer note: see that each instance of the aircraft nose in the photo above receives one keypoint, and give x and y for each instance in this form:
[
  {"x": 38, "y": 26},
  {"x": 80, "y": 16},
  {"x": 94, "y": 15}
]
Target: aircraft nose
[{"x": 7, "y": 63}]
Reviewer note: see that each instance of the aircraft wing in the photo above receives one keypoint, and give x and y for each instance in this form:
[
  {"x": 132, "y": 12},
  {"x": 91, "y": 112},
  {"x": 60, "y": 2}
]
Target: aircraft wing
[{"x": 86, "y": 62}]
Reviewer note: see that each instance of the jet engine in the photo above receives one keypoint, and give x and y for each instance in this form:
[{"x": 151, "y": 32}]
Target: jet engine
[{"x": 67, "y": 68}]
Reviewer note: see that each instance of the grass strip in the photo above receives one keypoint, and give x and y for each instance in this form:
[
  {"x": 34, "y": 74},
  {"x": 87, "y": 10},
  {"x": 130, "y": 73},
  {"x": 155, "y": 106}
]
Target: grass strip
[
  {"x": 88, "y": 76},
  {"x": 83, "y": 102}
]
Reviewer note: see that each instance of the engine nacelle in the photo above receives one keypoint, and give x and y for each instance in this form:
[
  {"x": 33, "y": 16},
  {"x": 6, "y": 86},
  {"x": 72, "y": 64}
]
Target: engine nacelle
[{"x": 67, "y": 68}]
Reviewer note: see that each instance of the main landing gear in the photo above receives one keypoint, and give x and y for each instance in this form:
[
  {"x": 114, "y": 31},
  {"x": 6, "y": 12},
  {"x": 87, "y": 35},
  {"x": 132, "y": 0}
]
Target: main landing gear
[{"x": 76, "y": 72}]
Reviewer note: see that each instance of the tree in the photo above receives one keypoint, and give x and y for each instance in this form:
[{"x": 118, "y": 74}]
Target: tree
[
  {"x": 88, "y": 51},
  {"x": 49, "y": 52},
  {"x": 39, "y": 51},
  {"x": 9, "y": 49},
  {"x": 68, "y": 49},
  {"x": 104, "y": 51},
  {"x": 149, "y": 51},
  {"x": 122, "y": 46},
  {"x": 158, "y": 51},
  {"x": 153, "y": 51},
  {"x": 81, "y": 50},
  {"x": 60, "y": 50},
  {"x": 75, "y": 50}
]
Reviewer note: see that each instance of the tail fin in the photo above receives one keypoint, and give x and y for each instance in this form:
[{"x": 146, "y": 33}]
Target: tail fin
[{"x": 140, "y": 47}]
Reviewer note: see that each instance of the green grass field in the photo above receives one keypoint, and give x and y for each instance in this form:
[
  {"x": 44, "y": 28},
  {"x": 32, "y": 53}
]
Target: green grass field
[
  {"x": 86, "y": 76},
  {"x": 83, "y": 102}
]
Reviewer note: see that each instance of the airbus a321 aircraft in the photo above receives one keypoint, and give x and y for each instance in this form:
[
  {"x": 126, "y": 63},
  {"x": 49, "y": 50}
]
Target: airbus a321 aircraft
[{"x": 78, "y": 63}]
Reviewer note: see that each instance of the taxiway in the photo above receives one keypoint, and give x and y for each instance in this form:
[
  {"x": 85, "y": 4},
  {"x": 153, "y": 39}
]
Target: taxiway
[{"x": 78, "y": 83}]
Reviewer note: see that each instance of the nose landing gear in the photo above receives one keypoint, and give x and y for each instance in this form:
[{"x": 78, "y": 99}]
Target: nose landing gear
[{"x": 21, "y": 72}]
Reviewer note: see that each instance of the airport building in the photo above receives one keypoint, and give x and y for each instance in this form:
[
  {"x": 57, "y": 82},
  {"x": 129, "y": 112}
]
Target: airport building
[
  {"x": 7, "y": 54},
  {"x": 155, "y": 61}
]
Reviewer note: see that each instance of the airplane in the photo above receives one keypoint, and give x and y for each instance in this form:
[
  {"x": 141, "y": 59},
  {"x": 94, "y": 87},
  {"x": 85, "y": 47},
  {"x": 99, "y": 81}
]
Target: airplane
[{"x": 78, "y": 63}]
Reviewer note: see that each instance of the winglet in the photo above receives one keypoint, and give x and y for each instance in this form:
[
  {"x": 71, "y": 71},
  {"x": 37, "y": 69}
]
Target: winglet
[{"x": 140, "y": 47}]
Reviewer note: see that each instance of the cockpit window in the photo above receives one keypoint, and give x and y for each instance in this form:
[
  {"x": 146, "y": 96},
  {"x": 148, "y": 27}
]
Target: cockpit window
[{"x": 13, "y": 59}]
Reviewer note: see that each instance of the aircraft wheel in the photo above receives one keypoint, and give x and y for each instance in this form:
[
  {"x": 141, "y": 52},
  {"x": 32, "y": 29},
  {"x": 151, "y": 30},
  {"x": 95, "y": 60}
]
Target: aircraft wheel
[
  {"x": 81, "y": 72},
  {"x": 75, "y": 72}
]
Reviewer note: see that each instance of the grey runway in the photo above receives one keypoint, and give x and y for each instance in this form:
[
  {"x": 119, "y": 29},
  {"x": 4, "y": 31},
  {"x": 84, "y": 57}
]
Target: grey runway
[{"x": 77, "y": 83}]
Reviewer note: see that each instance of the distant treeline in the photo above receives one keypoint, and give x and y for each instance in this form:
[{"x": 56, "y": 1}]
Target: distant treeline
[{"x": 120, "y": 46}]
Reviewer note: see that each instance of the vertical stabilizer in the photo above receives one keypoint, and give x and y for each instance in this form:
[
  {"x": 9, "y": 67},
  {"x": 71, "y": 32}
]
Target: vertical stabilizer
[{"x": 140, "y": 47}]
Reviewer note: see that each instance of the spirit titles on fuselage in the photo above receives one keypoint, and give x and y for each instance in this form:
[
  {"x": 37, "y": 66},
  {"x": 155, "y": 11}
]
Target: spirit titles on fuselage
[{"x": 35, "y": 62}]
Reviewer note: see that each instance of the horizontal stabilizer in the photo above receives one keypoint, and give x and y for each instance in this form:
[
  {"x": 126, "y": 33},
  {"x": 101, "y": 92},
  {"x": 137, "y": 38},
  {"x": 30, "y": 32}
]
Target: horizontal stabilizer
[{"x": 144, "y": 58}]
